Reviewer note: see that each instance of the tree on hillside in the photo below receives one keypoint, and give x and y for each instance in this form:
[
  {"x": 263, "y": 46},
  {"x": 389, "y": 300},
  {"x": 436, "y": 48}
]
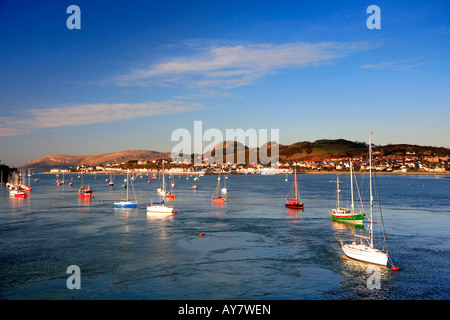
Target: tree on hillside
[{"x": 5, "y": 172}]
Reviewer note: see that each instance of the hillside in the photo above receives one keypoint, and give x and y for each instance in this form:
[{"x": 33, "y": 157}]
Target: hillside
[
  {"x": 317, "y": 150},
  {"x": 68, "y": 161},
  {"x": 322, "y": 149}
]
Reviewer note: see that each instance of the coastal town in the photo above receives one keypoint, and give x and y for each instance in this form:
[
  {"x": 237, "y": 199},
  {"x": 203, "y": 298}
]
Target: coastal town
[{"x": 408, "y": 162}]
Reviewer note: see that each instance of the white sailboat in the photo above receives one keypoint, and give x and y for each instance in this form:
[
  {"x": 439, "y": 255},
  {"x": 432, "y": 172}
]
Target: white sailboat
[
  {"x": 127, "y": 203},
  {"x": 364, "y": 249},
  {"x": 162, "y": 191},
  {"x": 160, "y": 208}
]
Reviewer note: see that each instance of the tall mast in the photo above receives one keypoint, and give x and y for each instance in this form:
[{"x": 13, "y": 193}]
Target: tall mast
[
  {"x": 351, "y": 185},
  {"x": 164, "y": 183},
  {"x": 128, "y": 179},
  {"x": 337, "y": 191},
  {"x": 295, "y": 181},
  {"x": 370, "y": 185}
]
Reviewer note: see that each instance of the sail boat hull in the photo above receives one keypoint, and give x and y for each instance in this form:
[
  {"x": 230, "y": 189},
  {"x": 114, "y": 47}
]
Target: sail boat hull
[
  {"x": 125, "y": 204},
  {"x": 365, "y": 253},
  {"x": 160, "y": 209},
  {"x": 295, "y": 205},
  {"x": 218, "y": 200},
  {"x": 346, "y": 216}
]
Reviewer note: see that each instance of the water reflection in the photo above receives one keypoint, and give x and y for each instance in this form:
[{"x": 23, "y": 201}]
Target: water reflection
[
  {"x": 151, "y": 255},
  {"x": 294, "y": 211},
  {"x": 159, "y": 216},
  {"x": 84, "y": 202},
  {"x": 341, "y": 225},
  {"x": 219, "y": 208}
]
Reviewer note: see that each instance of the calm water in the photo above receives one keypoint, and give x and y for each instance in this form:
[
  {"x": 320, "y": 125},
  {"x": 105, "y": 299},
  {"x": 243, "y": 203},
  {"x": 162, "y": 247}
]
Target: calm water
[{"x": 253, "y": 248}]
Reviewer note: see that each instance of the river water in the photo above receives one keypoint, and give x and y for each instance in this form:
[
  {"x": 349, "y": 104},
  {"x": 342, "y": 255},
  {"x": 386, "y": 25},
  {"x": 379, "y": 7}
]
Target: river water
[{"x": 252, "y": 248}]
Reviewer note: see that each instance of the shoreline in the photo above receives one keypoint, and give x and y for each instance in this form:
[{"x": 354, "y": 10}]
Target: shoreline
[{"x": 281, "y": 173}]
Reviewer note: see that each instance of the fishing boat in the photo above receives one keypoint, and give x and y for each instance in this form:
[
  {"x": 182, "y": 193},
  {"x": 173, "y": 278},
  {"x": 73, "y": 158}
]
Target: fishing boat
[
  {"x": 16, "y": 188},
  {"x": 85, "y": 192},
  {"x": 20, "y": 193},
  {"x": 363, "y": 248},
  {"x": 217, "y": 196},
  {"x": 346, "y": 214},
  {"x": 292, "y": 200},
  {"x": 160, "y": 208},
  {"x": 127, "y": 203}
]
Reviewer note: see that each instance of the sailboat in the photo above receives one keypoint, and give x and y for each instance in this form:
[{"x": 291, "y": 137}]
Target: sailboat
[
  {"x": 364, "y": 249},
  {"x": 217, "y": 196},
  {"x": 83, "y": 192},
  {"x": 160, "y": 208},
  {"x": 170, "y": 194},
  {"x": 20, "y": 193},
  {"x": 162, "y": 191},
  {"x": 292, "y": 200},
  {"x": 346, "y": 214},
  {"x": 127, "y": 203}
]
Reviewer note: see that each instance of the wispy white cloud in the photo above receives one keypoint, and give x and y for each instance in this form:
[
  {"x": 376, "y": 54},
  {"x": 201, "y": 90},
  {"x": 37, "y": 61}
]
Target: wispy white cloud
[
  {"x": 86, "y": 114},
  {"x": 402, "y": 65},
  {"x": 230, "y": 66}
]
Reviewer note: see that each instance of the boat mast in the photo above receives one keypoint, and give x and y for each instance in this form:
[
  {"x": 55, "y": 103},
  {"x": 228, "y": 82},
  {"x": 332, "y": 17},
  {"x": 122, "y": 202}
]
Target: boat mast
[
  {"x": 295, "y": 182},
  {"x": 164, "y": 183},
  {"x": 370, "y": 186},
  {"x": 128, "y": 179},
  {"x": 337, "y": 191},
  {"x": 351, "y": 186}
]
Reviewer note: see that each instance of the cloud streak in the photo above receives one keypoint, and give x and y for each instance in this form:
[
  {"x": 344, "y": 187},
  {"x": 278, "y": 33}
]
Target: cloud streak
[
  {"x": 86, "y": 114},
  {"x": 233, "y": 66},
  {"x": 403, "y": 65}
]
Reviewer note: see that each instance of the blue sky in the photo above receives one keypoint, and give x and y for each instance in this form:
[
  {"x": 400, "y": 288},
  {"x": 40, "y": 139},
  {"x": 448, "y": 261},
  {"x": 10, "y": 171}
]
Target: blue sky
[{"x": 138, "y": 70}]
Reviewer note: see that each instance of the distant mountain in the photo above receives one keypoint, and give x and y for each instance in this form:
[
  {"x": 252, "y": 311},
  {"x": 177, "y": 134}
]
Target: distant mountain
[
  {"x": 238, "y": 152},
  {"x": 328, "y": 148},
  {"x": 73, "y": 161},
  {"x": 317, "y": 150}
]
